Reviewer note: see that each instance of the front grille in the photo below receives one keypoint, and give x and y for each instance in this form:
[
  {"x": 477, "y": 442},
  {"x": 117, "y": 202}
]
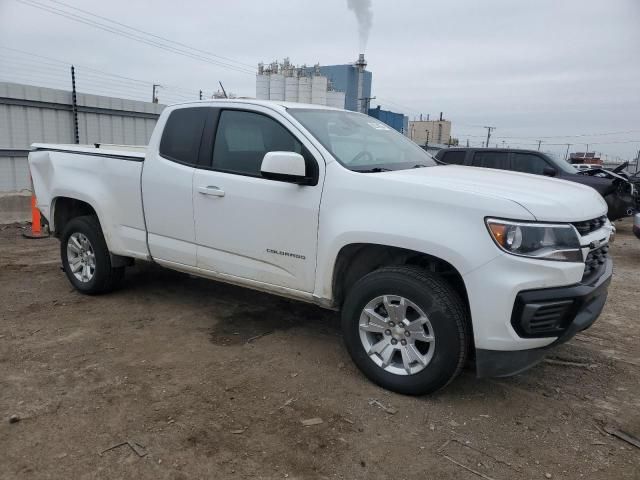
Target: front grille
[
  {"x": 588, "y": 226},
  {"x": 595, "y": 260}
]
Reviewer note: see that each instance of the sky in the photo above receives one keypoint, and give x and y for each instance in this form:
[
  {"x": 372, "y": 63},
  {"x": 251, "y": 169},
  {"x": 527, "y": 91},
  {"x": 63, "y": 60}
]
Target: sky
[{"x": 560, "y": 71}]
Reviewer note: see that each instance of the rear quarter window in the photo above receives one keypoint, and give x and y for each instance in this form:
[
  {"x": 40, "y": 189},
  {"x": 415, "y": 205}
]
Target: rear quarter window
[{"x": 182, "y": 135}]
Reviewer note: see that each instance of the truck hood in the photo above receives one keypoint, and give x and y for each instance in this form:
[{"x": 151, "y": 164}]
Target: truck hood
[{"x": 547, "y": 199}]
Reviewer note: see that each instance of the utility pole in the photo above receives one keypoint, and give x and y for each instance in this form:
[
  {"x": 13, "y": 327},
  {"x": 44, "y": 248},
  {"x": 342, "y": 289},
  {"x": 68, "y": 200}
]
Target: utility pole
[
  {"x": 426, "y": 144},
  {"x": 223, "y": 90},
  {"x": 154, "y": 96},
  {"x": 365, "y": 103},
  {"x": 489, "y": 134},
  {"x": 200, "y": 94},
  {"x": 74, "y": 105},
  {"x": 539, "y": 143},
  {"x": 503, "y": 143},
  {"x": 566, "y": 156},
  {"x": 467, "y": 143}
]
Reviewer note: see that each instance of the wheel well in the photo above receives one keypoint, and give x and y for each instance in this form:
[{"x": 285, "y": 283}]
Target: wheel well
[
  {"x": 66, "y": 209},
  {"x": 357, "y": 260}
]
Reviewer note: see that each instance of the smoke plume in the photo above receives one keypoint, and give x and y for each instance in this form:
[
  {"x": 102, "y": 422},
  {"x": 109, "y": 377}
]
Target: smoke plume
[{"x": 364, "y": 15}]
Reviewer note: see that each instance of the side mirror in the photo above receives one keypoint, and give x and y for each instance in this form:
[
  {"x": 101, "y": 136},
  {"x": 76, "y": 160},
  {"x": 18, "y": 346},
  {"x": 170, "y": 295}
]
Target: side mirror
[
  {"x": 549, "y": 171},
  {"x": 285, "y": 167}
]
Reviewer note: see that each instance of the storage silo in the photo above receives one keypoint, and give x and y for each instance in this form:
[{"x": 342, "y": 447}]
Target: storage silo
[
  {"x": 304, "y": 90},
  {"x": 335, "y": 99},
  {"x": 319, "y": 86},
  {"x": 276, "y": 87},
  {"x": 262, "y": 87},
  {"x": 291, "y": 89}
]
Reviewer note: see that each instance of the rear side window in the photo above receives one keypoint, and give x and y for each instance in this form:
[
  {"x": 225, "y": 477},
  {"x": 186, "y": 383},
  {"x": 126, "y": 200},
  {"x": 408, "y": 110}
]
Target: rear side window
[
  {"x": 529, "y": 163},
  {"x": 454, "y": 158},
  {"x": 182, "y": 135},
  {"x": 244, "y": 138},
  {"x": 491, "y": 160}
]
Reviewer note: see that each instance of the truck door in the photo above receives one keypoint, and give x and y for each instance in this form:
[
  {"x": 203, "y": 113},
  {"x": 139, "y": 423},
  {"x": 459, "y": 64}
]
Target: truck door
[
  {"x": 167, "y": 186},
  {"x": 248, "y": 226}
]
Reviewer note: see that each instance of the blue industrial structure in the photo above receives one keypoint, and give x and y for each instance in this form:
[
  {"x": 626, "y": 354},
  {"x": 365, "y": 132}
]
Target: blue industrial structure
[
  {"x": 397, "y": 121},
  {"x": 344, "y": 78}
]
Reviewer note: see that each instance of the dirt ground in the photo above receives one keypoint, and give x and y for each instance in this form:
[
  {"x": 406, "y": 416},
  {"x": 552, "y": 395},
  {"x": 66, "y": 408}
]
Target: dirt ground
[{"x": 213, "y": 381}]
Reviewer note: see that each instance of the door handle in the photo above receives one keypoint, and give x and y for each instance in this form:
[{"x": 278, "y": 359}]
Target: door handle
[{"x": 211, "y": 190}]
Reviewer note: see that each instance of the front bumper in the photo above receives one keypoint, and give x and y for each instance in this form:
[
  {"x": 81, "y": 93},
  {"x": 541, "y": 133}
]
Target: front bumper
[{"x": 565, "y": 312}]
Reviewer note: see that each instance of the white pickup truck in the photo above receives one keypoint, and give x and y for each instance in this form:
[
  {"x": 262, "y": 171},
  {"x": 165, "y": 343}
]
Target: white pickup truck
[{"x": 429, "y": 265}]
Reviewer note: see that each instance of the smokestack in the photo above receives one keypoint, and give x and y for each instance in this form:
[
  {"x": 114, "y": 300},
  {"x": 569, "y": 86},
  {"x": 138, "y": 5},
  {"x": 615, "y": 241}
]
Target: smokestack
[
  {"x": 361, "y": 64},
  {"x": 440, "y": 116}
]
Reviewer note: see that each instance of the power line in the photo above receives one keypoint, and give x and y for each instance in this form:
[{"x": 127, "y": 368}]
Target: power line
[
  {"x": 151, "y": 34},
  {"x": 539, "y": 137},
  {"x": 65, "y": 64},
  {"x": 579, "y": 135},
  {"x": 122, "y": 33}
]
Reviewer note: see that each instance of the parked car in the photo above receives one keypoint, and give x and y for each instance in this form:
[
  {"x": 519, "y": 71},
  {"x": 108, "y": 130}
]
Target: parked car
[
  {"x": 618, "y": 192},
  {"x": 582, "y": 166},
  {"x": 429, "y": 266}
]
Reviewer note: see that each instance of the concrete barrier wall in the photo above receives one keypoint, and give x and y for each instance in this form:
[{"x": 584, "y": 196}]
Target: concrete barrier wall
[{"x": 15, "y": 207}]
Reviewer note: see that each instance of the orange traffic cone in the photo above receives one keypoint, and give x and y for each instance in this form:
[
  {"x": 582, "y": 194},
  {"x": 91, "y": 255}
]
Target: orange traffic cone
[{"x": 36, "y": 227}]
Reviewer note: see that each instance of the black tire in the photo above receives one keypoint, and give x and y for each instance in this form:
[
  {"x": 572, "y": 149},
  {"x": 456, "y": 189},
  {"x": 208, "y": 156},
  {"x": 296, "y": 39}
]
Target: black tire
[
  {"x": 105, "y": 277},
  {"x": 442, "y": 305}
]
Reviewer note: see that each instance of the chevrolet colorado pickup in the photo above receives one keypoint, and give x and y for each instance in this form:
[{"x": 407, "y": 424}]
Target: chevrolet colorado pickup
[{"x": 429, "y": 265}]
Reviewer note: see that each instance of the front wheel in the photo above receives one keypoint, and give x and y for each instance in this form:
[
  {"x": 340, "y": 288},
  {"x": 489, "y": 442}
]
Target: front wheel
[
  {"x": 406, "y": 329},
  {"x": 85, "y": 257}
]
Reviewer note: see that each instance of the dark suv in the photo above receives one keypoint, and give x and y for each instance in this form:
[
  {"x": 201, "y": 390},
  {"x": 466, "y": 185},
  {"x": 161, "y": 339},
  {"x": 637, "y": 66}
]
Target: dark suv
[{"x": 617, "y": 191}]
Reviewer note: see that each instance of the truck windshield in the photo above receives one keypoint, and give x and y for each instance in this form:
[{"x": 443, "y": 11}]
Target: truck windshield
[{"x": 361, "y": 143}]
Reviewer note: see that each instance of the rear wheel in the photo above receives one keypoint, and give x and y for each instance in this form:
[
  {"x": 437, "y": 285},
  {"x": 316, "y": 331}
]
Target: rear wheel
[
  {"x": 85, "y": 257},
  {"x": 405, "y": 328}
]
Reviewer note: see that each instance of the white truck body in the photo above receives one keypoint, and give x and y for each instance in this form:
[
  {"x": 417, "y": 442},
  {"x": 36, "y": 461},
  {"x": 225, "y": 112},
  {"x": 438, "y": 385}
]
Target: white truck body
[{"x": 286, "y": 238}]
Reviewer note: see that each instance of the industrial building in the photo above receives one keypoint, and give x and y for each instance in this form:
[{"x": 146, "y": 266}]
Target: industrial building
[
  {"x": 397, "y": 121},
  {"x": 425, "y": 132},
  {"x": 342, "y": 86}
]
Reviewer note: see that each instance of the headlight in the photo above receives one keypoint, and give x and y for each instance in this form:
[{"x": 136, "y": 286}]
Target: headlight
[{"x": 558, "y": 242}]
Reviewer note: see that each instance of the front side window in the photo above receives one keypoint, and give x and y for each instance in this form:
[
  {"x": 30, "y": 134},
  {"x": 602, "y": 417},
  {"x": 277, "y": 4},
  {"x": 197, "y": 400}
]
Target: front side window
[
  {"x": 490, "y": 159},
  {"x": 243, "y": 139},
  {"x": 361, "y": 143},
  {"x": 182, "y": 134},
  {"x": 529, "y": 163}
]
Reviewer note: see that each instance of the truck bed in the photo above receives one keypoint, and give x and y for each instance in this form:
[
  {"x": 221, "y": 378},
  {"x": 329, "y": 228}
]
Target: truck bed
[{"x": 106, "y": 177}]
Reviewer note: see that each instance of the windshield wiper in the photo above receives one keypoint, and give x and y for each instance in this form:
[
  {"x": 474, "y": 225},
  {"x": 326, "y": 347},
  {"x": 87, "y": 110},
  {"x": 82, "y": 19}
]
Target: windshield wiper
[
  {"x": 373, "y": 170},
  {"x": 420, "y": 165}
]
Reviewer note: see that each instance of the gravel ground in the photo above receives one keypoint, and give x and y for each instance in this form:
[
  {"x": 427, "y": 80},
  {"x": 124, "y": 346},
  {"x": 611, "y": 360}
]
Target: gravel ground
[{"x": 213, "y": 381}]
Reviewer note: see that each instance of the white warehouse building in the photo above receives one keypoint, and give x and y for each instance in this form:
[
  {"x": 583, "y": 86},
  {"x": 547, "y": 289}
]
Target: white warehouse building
[{"x": 285, "y": 82}]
